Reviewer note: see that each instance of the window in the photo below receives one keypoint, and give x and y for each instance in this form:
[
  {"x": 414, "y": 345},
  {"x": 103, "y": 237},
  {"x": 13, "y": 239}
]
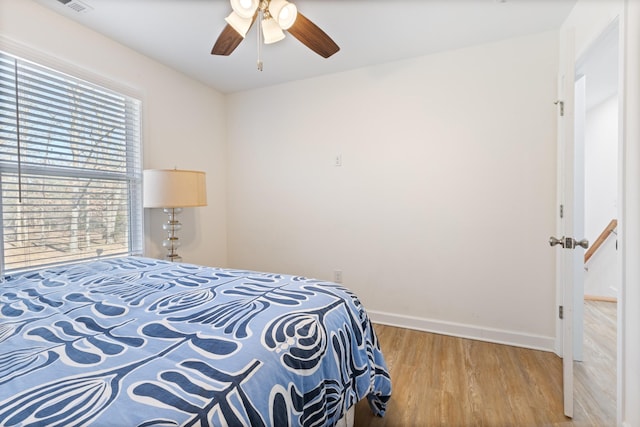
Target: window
[{"x": 70, "y": 168}]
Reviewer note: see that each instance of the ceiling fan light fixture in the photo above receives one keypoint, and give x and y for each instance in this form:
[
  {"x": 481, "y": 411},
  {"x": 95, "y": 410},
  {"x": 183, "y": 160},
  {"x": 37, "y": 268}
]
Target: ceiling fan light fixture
[
  {"x": 245, "y": 8},
  {"x": 271, "y": 31},
  {"x": 241, "y": 25},
  {"x": 283, "y": 12}
]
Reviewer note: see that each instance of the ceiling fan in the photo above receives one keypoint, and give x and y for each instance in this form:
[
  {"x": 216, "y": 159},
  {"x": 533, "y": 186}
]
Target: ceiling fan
[{"x": 273, "y": 17}]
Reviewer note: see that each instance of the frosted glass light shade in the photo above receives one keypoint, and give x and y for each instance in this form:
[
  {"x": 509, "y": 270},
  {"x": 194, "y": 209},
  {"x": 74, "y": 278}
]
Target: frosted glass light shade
[
  {"x": 271, "y": 31},
  {"x": 245, "y": 8},
  {"x": 283, "y": 12},
  {"x": 173, "y": 188},
  {"x": 241, "y": 25}
]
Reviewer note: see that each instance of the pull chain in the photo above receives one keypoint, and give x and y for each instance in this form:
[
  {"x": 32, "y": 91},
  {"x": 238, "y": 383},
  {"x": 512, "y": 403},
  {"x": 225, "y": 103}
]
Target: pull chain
[{"x": 259, "y": 31}]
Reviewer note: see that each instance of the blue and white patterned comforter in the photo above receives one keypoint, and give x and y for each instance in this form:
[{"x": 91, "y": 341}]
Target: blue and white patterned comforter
[{"x": 141, "y": 342}]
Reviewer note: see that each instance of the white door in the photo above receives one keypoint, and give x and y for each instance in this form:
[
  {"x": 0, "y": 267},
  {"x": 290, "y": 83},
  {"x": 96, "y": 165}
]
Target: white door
[{"x": 570, "y": 215}]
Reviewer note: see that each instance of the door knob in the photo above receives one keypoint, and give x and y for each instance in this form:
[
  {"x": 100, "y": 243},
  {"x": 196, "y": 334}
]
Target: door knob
[
  {"x": 553, "y": 241},
  {"x": 568, "y": 242},
  {"x": 584, "y": 243}
]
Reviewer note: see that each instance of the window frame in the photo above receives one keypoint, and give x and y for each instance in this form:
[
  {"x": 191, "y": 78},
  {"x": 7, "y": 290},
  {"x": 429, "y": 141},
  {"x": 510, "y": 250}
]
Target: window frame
[{"x": 131, "y": 178}]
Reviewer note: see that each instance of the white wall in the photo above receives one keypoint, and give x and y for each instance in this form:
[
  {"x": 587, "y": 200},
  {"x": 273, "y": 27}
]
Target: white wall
[
  {"x": 440, "y": 213},
  {"x": 601, "y": 195},
  {"x": 183, "y": 121},
  {"x": 601, "y": 167}
]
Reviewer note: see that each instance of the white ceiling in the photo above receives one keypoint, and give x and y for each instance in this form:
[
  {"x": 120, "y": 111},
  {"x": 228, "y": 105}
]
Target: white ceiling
[{"x": 181, "y": 33}]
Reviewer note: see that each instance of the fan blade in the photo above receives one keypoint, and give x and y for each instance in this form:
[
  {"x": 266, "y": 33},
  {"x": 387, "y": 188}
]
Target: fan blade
[
  {"x": 227, "y": 41},
  {"x": 313, "y": 37}
]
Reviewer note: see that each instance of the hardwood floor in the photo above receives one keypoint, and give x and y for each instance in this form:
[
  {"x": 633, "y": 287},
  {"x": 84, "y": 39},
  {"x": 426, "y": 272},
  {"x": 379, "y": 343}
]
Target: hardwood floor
[
  {"x": 445, "y": 381},
  {"x": 595, "y": 377}
]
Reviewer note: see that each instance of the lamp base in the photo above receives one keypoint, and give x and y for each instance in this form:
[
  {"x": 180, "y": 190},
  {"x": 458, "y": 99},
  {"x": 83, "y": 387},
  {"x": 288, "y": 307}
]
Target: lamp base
[
  {"x": 173, "y": 257},
  {"x": 171, "y": 243}
]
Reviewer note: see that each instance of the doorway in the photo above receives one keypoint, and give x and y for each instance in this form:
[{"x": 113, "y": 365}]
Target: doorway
[{"x": 597, "y": 122}]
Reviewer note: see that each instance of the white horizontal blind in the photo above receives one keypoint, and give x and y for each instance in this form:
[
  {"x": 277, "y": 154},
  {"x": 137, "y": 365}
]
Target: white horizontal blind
[{"x": 70, "y": 168}]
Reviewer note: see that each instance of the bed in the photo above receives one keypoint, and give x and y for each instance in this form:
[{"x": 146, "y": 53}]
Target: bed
[{"x": 135, "y": 341}]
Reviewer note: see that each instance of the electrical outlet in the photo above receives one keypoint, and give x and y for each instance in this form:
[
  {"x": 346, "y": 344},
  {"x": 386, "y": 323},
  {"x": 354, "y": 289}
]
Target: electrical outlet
[
  {"x": 337, "y": 276},
  {"x": 337, "y": 160}
]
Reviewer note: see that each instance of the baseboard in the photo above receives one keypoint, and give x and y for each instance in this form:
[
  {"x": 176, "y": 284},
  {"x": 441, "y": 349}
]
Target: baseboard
[{"x": 498, "y": 336}]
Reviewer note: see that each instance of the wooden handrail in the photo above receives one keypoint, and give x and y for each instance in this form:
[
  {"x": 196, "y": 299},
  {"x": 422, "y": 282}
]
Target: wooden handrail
[{"x": 600, "y": 240}]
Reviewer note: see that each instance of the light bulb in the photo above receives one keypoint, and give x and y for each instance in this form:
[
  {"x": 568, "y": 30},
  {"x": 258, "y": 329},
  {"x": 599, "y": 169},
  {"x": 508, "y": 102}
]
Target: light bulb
[
  {"x": 284, "y": 13},
  {"x": 244, "y": 8}
]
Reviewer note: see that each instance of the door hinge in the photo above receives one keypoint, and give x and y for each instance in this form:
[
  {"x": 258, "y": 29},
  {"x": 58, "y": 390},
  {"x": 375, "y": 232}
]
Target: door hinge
[
  {"x": 561, "y": 211},
  {"x": 561, "y": 312},
  {"x": 561, "y": 103}
]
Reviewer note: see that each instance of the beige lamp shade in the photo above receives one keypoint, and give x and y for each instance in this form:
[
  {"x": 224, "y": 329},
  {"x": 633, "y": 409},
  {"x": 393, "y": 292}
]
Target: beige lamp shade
[
  {"x": 174, "y": 188},
  {"x": 271, "y": 31}
]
